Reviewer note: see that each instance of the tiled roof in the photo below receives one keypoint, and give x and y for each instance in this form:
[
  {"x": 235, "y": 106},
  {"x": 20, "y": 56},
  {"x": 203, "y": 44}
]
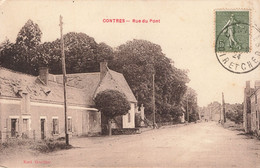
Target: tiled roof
[
  {"x": 11, "y": 82},
  {"x": 81, "y": 87},
  {"x": 88, "y": 82},
  {"x": 115, "y": 80}
]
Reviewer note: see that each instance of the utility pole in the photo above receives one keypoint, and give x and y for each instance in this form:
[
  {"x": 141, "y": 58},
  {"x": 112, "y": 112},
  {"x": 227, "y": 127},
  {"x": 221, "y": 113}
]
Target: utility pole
[
  {"x": 223, "y": 106},
  {"x": 153, "y": 104},
  {"x": 220, "y": 114},
  {"x": 64, "y": 80},
  {"x": 188, "y": 117}
]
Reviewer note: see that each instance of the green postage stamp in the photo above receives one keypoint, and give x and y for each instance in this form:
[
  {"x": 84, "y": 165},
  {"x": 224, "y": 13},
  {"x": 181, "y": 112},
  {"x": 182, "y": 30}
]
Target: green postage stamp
[
  {"x": 236, "y": 40},
  {"x": 232, "y": 31}
]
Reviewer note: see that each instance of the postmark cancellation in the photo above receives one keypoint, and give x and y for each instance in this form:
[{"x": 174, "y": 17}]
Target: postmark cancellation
[{"x": 234, "y": 47}]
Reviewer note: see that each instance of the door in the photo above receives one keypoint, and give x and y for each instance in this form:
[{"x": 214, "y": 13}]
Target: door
[
  {"x": 13, "y": 127},
  {"x": 42, "y": 128},
  {"x": 25, "y": 133}
]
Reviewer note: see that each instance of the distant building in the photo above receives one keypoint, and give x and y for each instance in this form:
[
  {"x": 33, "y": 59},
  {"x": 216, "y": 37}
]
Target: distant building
[
  {"x": 211, "y": 112},
  {"x": 251, "y": 119},
  {"x": 32, "y": 106},
  {"x": 255, "y": 109}
]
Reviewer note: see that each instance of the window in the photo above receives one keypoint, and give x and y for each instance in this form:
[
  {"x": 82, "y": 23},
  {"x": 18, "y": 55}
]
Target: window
[
  {"x": 55, "y": 122},
  {"x": 129, "y": 117},
  {"x": 69, "y": 124}
]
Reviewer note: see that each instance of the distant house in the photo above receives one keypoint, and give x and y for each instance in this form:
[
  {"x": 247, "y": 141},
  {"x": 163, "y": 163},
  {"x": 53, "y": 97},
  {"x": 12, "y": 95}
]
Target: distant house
[
  {"x": 32, "y": 106},
  {"x": 251, "y": 119}
]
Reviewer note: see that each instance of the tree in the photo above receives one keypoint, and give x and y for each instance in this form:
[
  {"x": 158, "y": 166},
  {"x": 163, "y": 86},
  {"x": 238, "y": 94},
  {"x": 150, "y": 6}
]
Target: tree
[
  {"x": 82, "y": 53},
  {"x": 190, "y": 104},
  {"x": 27, "y": 54},
  {"x": 138, "y": 60},
  {"x": 234, "y": 112},
  {"x": 112, "y": 103},
  {"x": 6, "y": 52},
  {"x": 20, "y": 55},
  {"x": 29, "y": 37}
]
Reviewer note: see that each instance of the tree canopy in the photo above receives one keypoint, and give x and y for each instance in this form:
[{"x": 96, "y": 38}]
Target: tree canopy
[
  {"x": 190, "y": 104},
  {"x": 22, "y": 54},
  {"x": 137, "y": 60},
  {"x": 112, "y": 103}
]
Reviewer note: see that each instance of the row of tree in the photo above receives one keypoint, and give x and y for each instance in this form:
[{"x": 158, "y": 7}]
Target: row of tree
[{"x": 136, "y": 59}]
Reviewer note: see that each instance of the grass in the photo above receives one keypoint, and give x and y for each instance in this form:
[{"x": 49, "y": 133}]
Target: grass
[
  {"x": 43, "y": 146},
  {"x": 233, "y": 126},
  {"x": 239, "y": 127}
]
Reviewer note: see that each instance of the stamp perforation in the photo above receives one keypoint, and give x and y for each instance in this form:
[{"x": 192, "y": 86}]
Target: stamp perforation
[{"x": 250, "y": 26}]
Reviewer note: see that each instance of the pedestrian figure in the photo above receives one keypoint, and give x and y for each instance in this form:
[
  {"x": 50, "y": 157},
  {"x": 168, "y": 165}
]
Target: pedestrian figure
[{"x": 229, "y": 30}]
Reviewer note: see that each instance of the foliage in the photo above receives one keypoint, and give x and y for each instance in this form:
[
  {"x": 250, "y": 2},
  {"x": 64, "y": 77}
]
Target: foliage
[
  {"x": 20, "y": 56},
  {"x": 112, "y": 103},
  {"x": 43, "y": 146},
  {"x": 82, "y": 53},
  {"x": 49, "y": 145},
  {"x": 29, "y": 36},
  {"x": 234, "y": 112},
  {"x": 138, "y": 60},
  {"x": 190, "y": 101}
]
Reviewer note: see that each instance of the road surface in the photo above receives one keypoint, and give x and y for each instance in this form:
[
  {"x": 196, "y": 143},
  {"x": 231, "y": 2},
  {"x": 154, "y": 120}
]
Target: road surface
[{"x": 195, "y": 145}]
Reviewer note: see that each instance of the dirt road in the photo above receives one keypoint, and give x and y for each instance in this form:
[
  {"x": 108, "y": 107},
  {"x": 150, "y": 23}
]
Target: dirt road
[{"x": 196, "y": 145}]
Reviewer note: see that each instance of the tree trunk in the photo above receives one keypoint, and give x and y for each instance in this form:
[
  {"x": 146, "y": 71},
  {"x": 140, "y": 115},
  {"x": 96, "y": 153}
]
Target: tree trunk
[{"x": 109, "y": 127}]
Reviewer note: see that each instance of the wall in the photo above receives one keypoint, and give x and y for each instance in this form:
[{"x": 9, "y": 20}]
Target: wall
[
  {"x": 255, "y": 108},
  {"x": 84, "y": 120},
  {"x": 126, "y": 123},
  {"x": 253, "y": 113},
  {"x": 13, "y": 106}
]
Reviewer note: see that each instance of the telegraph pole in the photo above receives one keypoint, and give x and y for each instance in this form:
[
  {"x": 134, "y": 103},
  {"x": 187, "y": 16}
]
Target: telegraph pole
[
  {"x": 64, "y": 80},
  {"x": 223, "y": 106},
  {"x": 220, "y": 114},
  {"x": 188, "y": 117},
  {"x": 153, "y": 103}
]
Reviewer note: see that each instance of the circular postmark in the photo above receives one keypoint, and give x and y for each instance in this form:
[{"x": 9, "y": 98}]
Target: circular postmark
[{"x": 233, "y": 49}]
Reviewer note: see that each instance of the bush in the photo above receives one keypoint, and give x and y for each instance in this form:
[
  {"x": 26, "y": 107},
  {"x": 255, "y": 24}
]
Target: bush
[
  {"x": 50, "y": 145},
  {"x": 45, "y": 146},
  {"x": 15, "y": 143}
]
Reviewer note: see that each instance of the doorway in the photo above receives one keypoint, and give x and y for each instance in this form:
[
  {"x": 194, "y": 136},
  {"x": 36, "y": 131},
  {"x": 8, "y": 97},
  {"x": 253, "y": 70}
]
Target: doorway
[
  {"x": 13, "y": 127},
  {"x": 25, "y": 133},
  {"x": 42, "y": 128}
]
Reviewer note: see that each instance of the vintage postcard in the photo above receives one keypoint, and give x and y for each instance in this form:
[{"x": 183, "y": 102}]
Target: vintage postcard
[{"x": 131, "y": 83}]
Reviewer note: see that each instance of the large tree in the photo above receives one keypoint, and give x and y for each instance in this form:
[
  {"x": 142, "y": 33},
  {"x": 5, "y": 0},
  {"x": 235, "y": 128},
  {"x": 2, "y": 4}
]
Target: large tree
[
  {"x": 27, "y": 54},
  {"x": 112, "y": 103},
  {"x": 29, "y": 36},
  {"x": 138, "y": 60},
  {"x": 21, "y": 55},
  {"x": 82, "y": 53}
]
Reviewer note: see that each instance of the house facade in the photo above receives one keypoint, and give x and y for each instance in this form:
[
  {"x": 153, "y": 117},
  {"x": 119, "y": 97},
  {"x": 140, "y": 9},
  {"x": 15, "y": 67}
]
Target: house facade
[
  {"x": 33, "y": 106},
  {"x": 251, "y": 119},
  {"x": 255, "y": 108}
]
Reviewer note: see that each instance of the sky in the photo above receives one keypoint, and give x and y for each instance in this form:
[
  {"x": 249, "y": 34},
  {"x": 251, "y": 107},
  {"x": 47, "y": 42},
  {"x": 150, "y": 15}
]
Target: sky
[{"x": 186, "y": 33}]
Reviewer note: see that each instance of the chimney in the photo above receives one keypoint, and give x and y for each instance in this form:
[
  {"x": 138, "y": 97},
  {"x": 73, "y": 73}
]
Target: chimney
[
  {"x": 257, "y": 84},
  {"x": 103, "y": 69},
  {"x": 44, "y": 74},
  {"x": 247, "y": 84}
]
